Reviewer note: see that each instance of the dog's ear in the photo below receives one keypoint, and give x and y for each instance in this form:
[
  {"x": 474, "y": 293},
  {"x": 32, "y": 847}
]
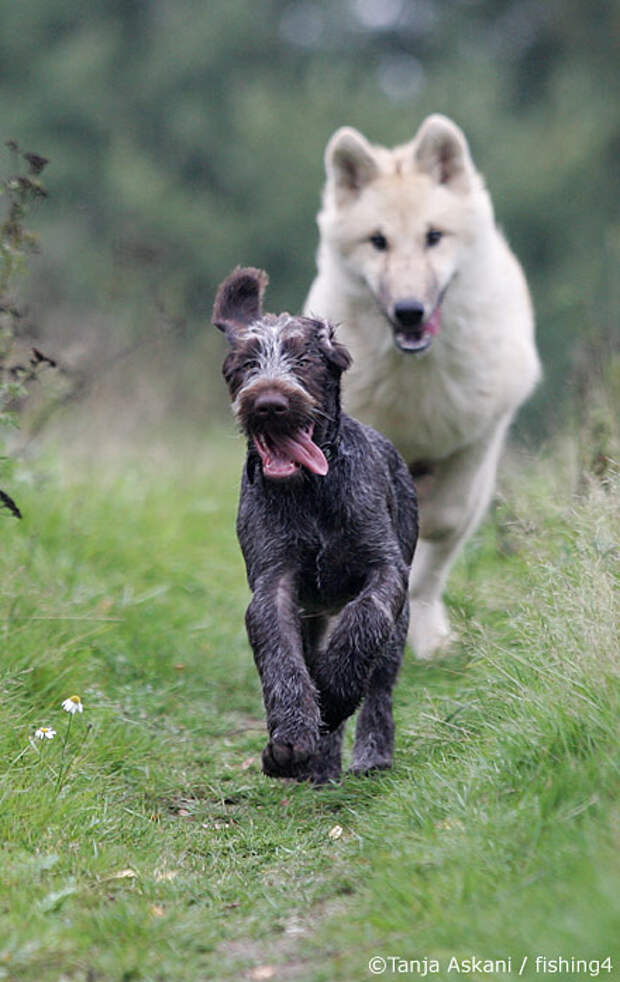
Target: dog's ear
[
  {"x": 441, "y": 151},
  {"x": 350, "y": 161},
  {"x": 337, "y": 355},
  {"x": 239, "y": 300}
]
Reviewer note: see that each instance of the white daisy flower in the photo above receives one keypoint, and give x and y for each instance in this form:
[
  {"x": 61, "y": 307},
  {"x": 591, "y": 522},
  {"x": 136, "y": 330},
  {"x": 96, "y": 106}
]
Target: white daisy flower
[
  {"x": 45, "y": 733},
  {"x": 73, "y": 705}
]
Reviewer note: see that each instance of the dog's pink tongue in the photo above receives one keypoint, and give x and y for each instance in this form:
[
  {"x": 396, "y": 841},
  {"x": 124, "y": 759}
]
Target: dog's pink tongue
[
  {"x": 434, "y": 322},
  {"x": 304, "y": 450}
]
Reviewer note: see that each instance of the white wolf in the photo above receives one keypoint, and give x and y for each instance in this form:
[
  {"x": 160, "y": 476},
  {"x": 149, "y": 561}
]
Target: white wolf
[{"x": 436, "y": 312}]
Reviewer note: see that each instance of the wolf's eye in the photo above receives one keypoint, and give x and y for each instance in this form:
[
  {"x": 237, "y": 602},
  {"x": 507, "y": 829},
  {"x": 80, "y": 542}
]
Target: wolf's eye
[
  {"x": 433, "y": 236},
  {"x": 379, "y": 241}
]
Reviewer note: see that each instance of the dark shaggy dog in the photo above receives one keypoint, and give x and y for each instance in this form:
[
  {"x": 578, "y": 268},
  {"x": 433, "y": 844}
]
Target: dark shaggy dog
[{"x": 327, "y": 525}]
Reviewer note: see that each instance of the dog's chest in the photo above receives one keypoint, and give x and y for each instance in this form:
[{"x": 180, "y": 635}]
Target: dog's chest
[
  {"x": 307, "y": 532},
  {"x": 331, "y": 569}
]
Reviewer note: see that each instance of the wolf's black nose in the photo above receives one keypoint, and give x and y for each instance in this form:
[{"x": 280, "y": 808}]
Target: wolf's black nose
[
  {"x": 408, "y": 313},
  {"x": 271, "y": 403}
]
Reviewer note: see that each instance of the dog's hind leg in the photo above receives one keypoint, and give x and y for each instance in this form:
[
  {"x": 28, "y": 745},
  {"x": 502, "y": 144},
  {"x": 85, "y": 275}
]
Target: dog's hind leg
[
  {"x": 326, "y": 764},
  {"x": 374, "y": 736}
]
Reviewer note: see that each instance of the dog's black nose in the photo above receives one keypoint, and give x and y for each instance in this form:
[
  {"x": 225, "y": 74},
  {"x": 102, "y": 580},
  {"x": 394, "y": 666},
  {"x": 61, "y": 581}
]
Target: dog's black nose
[
  {"x": 408, "y": 313},
  {"x": 271, "y": 403}
]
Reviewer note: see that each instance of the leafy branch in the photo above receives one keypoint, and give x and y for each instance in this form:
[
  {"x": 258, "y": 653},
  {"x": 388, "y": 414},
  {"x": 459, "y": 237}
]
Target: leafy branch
[{"x": 21, "y": 191}]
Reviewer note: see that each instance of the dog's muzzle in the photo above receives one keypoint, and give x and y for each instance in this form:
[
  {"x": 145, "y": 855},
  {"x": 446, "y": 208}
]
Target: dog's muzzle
[
  {"x": 283, "y": 456},
  {"x": 277, "y": 419}
]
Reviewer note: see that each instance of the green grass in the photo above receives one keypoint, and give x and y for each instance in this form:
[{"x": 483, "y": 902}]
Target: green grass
[{"x": 160, "y": 852}]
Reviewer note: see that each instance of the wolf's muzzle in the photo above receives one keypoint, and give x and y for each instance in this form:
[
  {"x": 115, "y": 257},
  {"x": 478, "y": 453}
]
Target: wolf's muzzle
[{"x": 408, "y": 313}]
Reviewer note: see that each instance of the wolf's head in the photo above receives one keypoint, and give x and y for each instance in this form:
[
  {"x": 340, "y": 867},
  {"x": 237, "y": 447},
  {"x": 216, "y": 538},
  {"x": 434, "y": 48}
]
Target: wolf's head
[{"x": 402, "y": 222}]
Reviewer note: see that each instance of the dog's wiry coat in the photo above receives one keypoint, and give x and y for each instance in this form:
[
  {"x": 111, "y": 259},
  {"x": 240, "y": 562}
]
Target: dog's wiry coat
[
  {"x": 436, "y": 312},
  {"x": 327, "y": 524}
]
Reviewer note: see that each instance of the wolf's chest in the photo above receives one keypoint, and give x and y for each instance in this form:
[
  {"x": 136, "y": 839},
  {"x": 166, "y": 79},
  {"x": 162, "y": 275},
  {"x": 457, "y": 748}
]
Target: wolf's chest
[{"x": 428, "y": 410}]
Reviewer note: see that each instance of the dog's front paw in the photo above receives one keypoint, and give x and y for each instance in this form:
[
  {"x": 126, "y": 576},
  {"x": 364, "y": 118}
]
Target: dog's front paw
[
  {"x": 339, "y": 697},
  {"x": 335, "y": 711},
  {"x": 288, "y": 751},
  {"x": 284, "y": 759}
]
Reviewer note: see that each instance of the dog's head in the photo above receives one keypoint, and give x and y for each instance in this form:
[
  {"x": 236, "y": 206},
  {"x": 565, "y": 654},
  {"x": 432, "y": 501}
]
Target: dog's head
[
  {"x": 401, "y": 221},
  {"x": 283, "y": 375}
]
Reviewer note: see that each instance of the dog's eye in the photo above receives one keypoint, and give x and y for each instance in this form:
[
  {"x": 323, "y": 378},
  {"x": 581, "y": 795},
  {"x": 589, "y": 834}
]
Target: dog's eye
[
  {"x": 433, "y": 236},
  {"x": 379, "y": 241}
]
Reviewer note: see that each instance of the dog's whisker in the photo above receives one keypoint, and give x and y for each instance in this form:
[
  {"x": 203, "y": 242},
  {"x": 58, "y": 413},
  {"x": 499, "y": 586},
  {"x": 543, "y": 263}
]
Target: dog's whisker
[{"x": 327, "y": 417}]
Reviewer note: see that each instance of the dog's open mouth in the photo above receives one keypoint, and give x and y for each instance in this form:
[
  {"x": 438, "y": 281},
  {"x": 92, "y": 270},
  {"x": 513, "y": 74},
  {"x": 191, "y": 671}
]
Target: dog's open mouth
[
  {"x": 417, "y": 339},
  {"x": 282, "y": 456}
]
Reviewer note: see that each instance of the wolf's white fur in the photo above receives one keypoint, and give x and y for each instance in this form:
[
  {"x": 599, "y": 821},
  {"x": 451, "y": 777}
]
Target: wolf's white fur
[{"x": 451, "y": 406}]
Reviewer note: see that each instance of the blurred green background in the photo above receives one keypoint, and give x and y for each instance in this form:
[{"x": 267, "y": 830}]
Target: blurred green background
[{"x": 187, "y": 137}]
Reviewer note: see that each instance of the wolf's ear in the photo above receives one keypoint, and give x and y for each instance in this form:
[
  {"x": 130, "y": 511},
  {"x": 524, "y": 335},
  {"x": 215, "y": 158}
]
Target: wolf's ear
[
  {"x": 441, "y": 151},
  {"x": 337, "y": 355},
  {"x": 239, "y": 299},
  {"x": 350, "y": 161}
]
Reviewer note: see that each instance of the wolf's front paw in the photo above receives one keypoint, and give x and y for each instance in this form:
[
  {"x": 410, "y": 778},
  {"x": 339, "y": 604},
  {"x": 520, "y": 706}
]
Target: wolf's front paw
[{"x": 429, "y": 629}]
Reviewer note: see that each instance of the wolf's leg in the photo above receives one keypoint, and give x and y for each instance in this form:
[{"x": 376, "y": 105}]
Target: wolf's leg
[
  {"x": 461, "y": 490},
  {"x": 374, "y": 735}
]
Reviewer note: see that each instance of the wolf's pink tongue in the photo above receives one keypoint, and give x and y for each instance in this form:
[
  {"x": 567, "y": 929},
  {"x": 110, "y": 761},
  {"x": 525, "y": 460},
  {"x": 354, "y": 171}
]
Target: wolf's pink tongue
[
  {"x": 302, "y": 449},
  {"x": 434, "y": 322}
]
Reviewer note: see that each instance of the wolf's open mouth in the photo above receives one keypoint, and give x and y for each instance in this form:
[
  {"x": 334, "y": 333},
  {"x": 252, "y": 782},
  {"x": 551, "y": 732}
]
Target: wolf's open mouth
[
  {"x": 282, "y": 456},
  {"x": 417, "y": 339}
]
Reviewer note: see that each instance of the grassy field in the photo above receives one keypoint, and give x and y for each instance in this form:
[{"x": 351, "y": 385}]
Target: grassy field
[{"x": 143, "y": 843}]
